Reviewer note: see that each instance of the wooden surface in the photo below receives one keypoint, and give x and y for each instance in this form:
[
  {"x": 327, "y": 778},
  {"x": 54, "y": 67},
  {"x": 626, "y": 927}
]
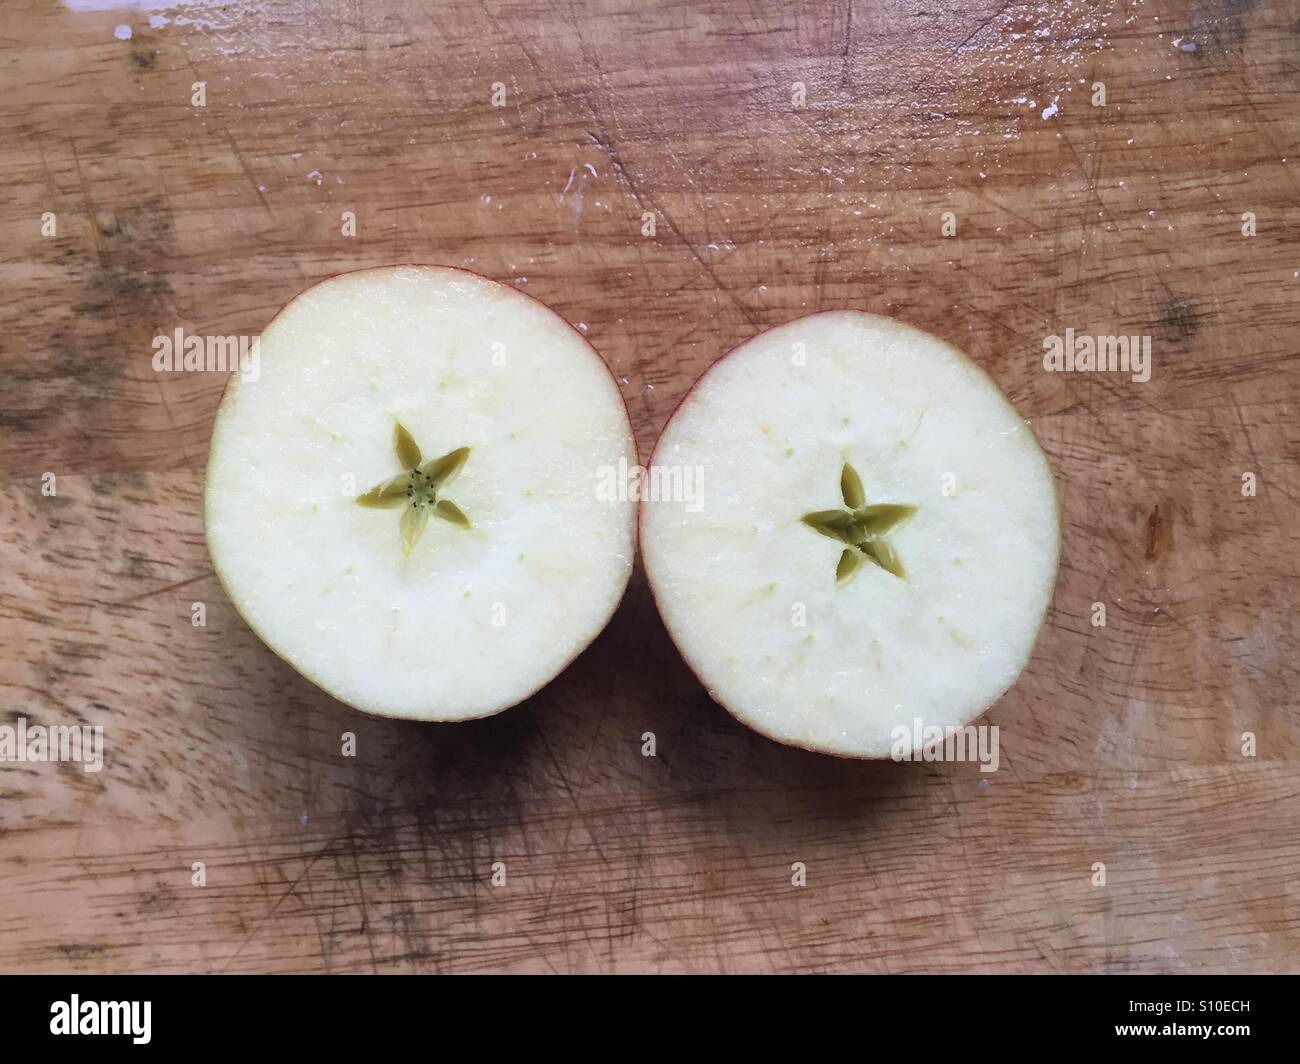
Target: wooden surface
[{"x": 1120, "y": 745}]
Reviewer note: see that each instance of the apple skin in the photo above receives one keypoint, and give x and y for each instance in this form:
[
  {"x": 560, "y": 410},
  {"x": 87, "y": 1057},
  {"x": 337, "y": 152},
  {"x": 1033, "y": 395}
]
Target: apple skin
[
  {"x": 1056, "y": 499},
  {"x": 636, "y": 525}
]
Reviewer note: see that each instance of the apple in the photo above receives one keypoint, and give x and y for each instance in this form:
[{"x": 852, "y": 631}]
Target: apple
[
  {"x": 872, "y": 541},
  {"x": 403, "y": 504}
]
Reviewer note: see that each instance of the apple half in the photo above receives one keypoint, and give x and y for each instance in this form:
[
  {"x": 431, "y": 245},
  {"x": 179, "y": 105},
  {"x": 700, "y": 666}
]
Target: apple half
[
  {"x": 403, "y": 503},
  {"x": 870, "y": 539}
]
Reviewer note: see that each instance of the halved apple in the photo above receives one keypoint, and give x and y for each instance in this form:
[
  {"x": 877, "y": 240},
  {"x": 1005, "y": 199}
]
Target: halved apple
[
  {"x": 872, "y": 541},
  {"x": 404, "y": 503}
]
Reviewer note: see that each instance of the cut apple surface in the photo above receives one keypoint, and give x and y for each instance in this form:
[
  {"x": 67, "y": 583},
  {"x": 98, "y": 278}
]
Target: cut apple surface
[
  {"x": 872, "y": 540},
  {"x": 403, "y": 501}
]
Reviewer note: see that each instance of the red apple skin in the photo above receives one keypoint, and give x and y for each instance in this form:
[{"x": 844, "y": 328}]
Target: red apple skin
[
  {"x": 649, "y": 576},
  {"x": 636, "y": 525}
]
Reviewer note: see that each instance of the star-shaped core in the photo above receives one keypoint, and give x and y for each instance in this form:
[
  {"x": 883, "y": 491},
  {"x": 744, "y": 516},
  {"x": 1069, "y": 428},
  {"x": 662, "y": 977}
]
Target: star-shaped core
[
  {"x": 861, "y": 527},
  {"x": 416, "y": 490}
]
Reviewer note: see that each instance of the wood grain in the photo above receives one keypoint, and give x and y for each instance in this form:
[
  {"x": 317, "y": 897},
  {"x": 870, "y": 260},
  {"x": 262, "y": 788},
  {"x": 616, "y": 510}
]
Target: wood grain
[{"x": 1120, "y": 744}]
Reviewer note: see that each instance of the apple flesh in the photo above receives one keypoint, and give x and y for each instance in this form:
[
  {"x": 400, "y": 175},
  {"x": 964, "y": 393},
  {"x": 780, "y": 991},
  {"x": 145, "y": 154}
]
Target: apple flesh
[
  {"x": 480, "y": 610},
  {"x": 951, "y": 556}
]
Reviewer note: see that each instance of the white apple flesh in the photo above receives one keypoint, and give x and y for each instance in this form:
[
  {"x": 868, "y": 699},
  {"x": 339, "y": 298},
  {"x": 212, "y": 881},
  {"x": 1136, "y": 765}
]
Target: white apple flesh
[
  {"x": 471, "y": 620},
  {"x": 749, "y": 591}
]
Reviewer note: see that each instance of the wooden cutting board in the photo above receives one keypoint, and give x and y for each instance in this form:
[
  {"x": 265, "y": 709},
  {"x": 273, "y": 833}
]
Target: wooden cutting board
[{"x": 793, "y": 158}]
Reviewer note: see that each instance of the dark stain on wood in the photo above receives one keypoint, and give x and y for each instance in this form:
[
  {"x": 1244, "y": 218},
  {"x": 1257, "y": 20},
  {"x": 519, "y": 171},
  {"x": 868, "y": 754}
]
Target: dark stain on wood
[
  {"x": 143, "y": 58},
  {"x": 1179, "y": 318},
  {"x": 1159, "y": 539}
]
